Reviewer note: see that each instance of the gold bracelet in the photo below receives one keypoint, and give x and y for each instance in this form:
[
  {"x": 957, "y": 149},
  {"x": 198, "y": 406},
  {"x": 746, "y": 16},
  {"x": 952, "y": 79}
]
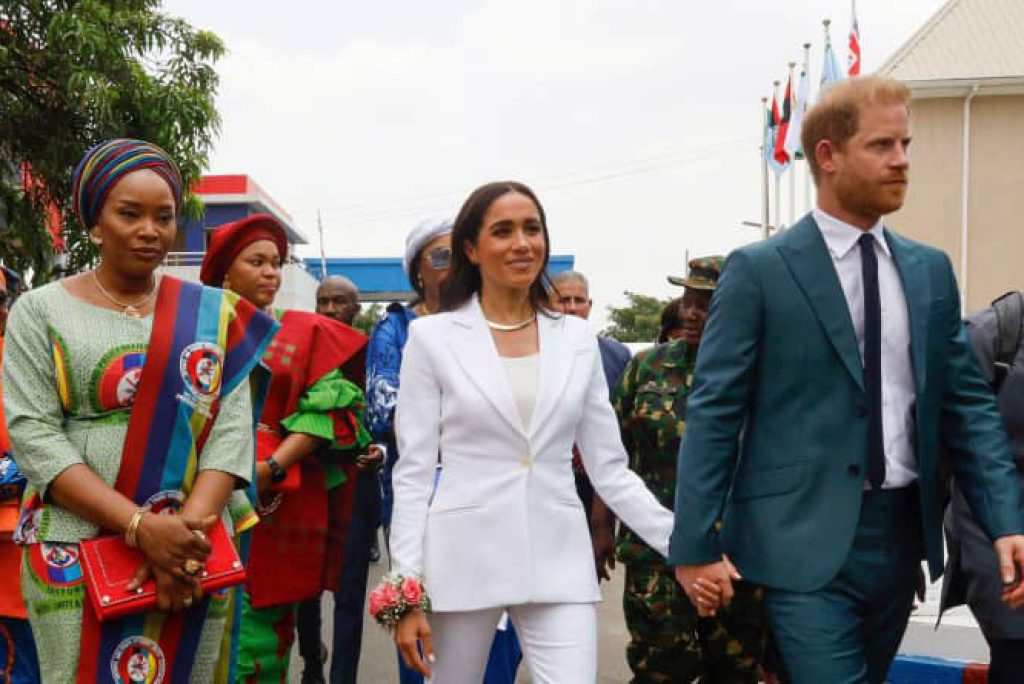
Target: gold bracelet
[{"x": 131, "y": 533}]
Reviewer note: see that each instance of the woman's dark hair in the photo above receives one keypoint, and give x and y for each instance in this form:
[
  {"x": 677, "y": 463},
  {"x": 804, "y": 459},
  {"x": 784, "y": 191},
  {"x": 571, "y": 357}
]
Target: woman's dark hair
[
  {"x": 670, "y": 319},
  {"x": 414, "y": 279},
  {"x": 464, "y": 279}
]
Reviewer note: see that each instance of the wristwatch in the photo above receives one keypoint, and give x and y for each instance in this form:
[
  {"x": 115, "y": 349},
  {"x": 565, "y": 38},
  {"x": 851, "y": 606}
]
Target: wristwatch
[{"x": 277, "y": 473}]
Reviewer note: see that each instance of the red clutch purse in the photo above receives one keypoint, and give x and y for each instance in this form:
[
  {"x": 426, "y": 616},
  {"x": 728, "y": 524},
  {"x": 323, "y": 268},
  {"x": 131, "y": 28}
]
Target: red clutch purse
[{"x": 108, "y": 565}]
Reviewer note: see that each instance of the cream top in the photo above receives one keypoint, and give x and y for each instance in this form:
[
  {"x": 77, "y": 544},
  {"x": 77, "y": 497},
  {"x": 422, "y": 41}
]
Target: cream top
[{"x": 523, "y": 373}]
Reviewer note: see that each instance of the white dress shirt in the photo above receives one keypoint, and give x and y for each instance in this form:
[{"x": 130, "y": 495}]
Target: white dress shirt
[{"x": 898, "y": 393}]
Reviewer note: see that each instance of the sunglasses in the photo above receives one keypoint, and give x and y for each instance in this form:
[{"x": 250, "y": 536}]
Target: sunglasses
[{"x": 440, "y": 258}]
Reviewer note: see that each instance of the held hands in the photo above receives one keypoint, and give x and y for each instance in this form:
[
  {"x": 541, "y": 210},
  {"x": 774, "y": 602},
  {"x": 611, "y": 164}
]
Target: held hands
[
  {"x": 1010, "y": 551},
  {"x": 410, "y": 631},
  {"x": 174, "y": 547},
  {"x": 708, "y": 586},
  {"x": 373, "y": 457}
]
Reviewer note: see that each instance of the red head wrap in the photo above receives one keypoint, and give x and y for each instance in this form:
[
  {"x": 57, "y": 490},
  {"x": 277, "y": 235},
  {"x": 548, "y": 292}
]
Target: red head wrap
[{"x": 228, "y": 241}]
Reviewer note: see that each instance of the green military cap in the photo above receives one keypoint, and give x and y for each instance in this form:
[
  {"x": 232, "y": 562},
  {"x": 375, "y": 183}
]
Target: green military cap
[{"x": 702, "y": 275}]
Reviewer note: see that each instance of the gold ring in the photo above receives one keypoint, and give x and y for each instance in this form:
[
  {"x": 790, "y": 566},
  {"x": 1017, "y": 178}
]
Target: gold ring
[
  {"x": 187, "y": 602},
  {"x": 199, "y": 534},
  {"x": 192, "y": 566}
]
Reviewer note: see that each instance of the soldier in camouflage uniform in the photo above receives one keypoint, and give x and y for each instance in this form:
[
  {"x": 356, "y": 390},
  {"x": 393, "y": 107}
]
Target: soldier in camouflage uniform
[{"x": 669, "y": 643}]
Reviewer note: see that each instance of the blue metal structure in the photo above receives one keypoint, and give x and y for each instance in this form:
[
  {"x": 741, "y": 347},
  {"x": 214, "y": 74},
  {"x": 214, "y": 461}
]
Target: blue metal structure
[{"x": 383, "y": 278}]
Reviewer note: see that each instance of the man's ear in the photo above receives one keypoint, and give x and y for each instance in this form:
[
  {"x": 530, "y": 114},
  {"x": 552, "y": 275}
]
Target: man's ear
[{"x": 826, "y": 153}]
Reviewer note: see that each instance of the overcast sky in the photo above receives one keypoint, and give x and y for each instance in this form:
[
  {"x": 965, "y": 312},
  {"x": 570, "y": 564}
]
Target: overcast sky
[{"x": 637, "y": 121}]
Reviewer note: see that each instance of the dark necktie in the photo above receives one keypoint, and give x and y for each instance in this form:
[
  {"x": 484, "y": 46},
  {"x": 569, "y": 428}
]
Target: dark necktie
[{"x": 873, "y": 359}]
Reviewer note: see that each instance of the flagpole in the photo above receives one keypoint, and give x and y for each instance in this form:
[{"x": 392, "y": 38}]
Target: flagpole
[
  {"x": 792, "y": 175},
  {"x": 778, "y": 175},
  {"x": 807, "y": 164},
  {"x": 764, "y": 171}
]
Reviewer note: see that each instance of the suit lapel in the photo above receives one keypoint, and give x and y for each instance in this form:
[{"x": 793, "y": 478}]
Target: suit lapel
[
  {"x": 474, "y": 351},
  {"x": 803, "y": 248},
  {"x": 917, "y": 291},
  {"x": 556, "y": 361}
]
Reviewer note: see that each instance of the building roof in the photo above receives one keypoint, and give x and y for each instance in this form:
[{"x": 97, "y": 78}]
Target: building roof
[
  {"x": 242, "y": 189},
  {"x": 966, "y": 41}
]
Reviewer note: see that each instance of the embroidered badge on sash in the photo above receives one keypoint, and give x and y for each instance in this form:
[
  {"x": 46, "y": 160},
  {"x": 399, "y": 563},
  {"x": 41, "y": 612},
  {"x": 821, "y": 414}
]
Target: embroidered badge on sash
[{"x": 138, "y": 660}]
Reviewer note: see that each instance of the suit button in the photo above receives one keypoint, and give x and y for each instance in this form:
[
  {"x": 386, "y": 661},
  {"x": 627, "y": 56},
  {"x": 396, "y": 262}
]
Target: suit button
[
  {"x": 853, "y": 469},
  {"x": 527, "y": 461}
]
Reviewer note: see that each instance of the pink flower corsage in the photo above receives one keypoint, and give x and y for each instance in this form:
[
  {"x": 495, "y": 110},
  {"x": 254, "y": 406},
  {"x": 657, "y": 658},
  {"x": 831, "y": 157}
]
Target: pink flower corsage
[{"x": 395, "y": 597}]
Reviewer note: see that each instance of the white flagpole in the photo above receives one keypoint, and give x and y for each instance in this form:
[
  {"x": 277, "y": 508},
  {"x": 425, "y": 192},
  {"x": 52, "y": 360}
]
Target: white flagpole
[
  {"x": 778, "y": 175},
  {"x": 764, "y": 170},
  {"x": 807, "y": 164},
  {"x": 792, "y": 162}
]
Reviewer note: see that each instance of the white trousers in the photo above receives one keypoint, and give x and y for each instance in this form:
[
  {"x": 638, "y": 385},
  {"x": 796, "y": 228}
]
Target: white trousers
[{"x": 559, "y": 642}]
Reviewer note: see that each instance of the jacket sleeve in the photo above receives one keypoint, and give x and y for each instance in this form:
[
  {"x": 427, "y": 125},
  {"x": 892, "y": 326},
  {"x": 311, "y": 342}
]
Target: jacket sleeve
[
  {"x": 604, "y": 457},
  {"x": 418, "y": 428},
  {"x": 383, "y": 364},
  {"x": 716, "y": 410},
  {"x": 972, "y": 429}
]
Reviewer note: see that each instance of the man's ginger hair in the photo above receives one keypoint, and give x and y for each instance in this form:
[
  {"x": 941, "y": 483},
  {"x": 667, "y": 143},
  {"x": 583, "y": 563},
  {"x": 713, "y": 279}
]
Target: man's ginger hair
[{"x": 836, "y": 116}]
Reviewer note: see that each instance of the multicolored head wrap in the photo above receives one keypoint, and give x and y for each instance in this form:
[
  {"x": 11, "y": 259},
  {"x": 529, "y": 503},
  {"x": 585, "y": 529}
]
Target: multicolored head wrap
[{"x": 107, "y": 163}]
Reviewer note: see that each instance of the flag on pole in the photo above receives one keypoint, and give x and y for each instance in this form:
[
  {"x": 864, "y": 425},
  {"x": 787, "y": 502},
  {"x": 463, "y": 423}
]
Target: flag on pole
[
  {"x": 830, "y": 72},
  {"x": 792, "y": 145},
  {"x": 853, "y": 55},
  {"x": 780, "y": 154},
  {"x": 771, "y": 129}
]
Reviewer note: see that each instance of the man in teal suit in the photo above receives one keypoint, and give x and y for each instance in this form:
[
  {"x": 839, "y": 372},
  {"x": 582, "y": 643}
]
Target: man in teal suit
[{"x": 834, "y": 369}]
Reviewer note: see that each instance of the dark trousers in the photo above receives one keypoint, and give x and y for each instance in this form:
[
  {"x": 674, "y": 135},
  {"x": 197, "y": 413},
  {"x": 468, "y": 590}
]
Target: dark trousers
[
  {"x": 848, "y": 631},
  {"x": 350, "y": 596}
]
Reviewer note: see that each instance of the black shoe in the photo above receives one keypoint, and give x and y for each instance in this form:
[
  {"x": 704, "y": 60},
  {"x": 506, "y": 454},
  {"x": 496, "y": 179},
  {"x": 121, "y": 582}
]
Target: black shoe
[
  {"x": 313, "y": 677},
  {"x": 374, "y": 553}
]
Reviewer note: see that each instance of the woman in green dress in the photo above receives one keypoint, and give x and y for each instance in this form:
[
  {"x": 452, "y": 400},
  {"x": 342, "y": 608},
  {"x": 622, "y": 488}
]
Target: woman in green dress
[{"x": 74, "y": 357}]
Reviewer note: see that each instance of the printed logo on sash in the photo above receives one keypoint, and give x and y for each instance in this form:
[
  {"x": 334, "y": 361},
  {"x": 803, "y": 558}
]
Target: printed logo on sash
[
  {"x": 201, "y": 365},
  {"x": 57, "y": 564},
  {"x": 138, "y": 660},
  {"x": 167, "y": 502},
  {"x": 119, "y": 380}
]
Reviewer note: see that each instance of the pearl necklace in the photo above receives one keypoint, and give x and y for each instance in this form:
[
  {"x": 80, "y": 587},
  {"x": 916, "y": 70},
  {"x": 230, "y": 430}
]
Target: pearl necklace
[
  {"x": 511, "y": 327},
  {"x": 130, "y": 310}
]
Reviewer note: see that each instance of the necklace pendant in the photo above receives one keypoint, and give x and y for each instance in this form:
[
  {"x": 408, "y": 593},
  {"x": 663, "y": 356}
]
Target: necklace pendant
[{"x": 132, "y": 312}]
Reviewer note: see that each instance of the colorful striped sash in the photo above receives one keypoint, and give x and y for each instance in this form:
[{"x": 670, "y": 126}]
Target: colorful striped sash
[{"x": 204, "y": 342}]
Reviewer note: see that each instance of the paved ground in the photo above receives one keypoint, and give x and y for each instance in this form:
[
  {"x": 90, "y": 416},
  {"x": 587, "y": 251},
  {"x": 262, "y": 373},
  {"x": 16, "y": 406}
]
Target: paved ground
[
  {"x": 378, "y": 663},
  {"x": 957, "y": 638}
]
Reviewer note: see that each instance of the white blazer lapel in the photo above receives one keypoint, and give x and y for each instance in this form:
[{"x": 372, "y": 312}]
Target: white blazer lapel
[
  {"x": 556, "y": 361},
  {"x": 474, "y": 351}
]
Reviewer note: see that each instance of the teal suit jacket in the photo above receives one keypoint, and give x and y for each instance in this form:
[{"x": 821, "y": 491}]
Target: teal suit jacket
[{"x": 776, "y": 422}]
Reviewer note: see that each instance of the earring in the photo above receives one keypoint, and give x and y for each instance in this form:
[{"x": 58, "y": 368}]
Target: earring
[
  {"x": 419, "y": 281},
  {"x": 226, "y": 285},
  {"x": 95, "y": 238}
]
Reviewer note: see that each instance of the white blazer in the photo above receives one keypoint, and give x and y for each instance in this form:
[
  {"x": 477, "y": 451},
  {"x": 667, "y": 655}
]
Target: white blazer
[{"x": 505, "y": 526}]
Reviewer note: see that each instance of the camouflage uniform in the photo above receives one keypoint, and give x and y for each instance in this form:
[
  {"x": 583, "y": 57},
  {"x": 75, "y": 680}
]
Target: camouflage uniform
[{"x": 669, "y": 643}]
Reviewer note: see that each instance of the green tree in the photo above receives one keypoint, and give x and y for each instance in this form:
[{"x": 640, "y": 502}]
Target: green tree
[
  {"x": 368, "y": 317},
  {"x": 75, "y": 72},
  {"x": 639, "y": 321}
]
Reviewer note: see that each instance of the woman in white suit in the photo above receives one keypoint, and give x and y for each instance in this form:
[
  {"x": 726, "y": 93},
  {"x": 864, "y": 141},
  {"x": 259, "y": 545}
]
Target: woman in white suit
[{"x": 500, "y": 389}]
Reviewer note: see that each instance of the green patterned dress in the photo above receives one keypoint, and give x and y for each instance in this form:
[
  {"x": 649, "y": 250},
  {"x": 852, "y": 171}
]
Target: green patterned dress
[{"x": 70, "y": 374}]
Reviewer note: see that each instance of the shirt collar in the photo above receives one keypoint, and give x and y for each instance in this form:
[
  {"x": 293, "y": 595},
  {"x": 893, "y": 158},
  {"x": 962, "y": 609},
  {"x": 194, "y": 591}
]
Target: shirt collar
[{"x": 841, "y": 237}]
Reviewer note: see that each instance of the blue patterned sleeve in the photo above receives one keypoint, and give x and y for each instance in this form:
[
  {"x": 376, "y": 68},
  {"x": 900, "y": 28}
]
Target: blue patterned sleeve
[{"x": 383, "y": 361}]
